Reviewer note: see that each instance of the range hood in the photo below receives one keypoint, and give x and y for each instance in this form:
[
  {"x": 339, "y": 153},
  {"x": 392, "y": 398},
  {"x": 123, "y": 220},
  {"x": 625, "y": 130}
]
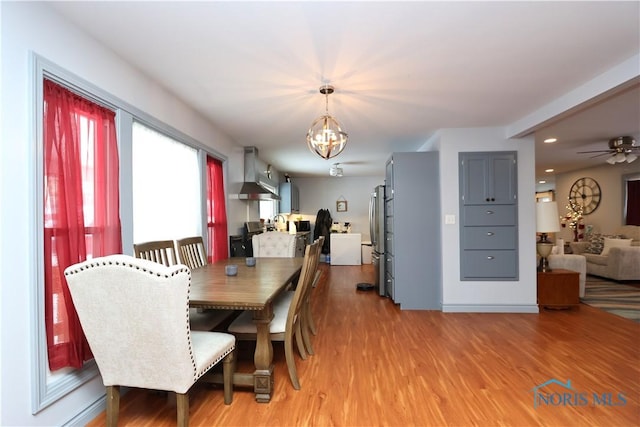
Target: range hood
[{"x": 256, "y": 173}]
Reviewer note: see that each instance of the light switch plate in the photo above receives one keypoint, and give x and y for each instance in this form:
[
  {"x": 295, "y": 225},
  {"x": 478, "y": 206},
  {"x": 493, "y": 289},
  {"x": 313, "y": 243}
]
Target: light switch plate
[{"x": 449, "y": 219}]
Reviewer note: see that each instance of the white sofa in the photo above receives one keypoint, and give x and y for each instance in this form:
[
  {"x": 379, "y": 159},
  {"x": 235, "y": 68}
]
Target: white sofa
[{"x": 620, "y": 263}]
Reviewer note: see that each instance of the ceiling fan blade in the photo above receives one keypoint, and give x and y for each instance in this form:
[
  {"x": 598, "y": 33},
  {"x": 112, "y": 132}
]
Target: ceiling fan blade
[
  {"x": 596, "y": 151},
  {"x": 599, "y": 155}
]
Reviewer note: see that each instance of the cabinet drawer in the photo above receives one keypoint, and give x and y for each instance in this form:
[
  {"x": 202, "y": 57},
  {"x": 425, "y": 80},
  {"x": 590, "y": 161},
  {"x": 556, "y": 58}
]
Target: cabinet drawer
[
  {"x": 489, "y": 238},
  {"x": 490, "y": 215},
  {"x": 479, "y": 265}
]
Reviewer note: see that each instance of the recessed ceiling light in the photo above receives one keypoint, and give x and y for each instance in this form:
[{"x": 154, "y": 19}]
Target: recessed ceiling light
[
  {"x": 550, "y": 140},
  {"x": 542, "y": 182},
  {"x": 548, "y": 170}
]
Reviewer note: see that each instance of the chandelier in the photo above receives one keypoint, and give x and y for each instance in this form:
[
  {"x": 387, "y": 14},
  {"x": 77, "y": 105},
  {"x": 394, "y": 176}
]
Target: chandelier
[{"x": 325, "y": 137}]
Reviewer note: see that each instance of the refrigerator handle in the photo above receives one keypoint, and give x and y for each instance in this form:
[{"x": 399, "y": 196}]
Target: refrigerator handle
[{"x": 372, "y": 227}]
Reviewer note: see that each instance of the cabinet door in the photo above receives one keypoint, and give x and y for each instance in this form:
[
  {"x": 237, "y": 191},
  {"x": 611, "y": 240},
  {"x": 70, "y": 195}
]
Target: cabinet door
[
  {"x": 502, "y": 178},
  {"x": 289, "y": 198},
  {"x": 488, "y": 178},
  {"x": 474, "y": 179}
]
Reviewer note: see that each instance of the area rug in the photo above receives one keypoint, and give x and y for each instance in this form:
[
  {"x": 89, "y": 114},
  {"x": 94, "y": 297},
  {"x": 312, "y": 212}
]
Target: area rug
[{"x": 615, "y": 298}]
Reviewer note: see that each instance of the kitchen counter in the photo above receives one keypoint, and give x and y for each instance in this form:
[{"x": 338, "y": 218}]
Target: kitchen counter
[
  {"x": 346, "y": 248},
  {"x": 302, "y": 240}
]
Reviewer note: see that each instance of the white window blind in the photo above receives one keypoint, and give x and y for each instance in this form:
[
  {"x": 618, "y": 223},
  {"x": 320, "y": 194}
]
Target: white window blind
[{"x": 167, "y": 196}]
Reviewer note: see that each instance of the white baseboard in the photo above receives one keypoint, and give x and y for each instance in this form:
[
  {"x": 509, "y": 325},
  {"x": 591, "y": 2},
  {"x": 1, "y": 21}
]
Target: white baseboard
[
  {"x": 89, "y": 413},
  {"x": 463, "y": 308},
  {"x": 92, "y": 411}
]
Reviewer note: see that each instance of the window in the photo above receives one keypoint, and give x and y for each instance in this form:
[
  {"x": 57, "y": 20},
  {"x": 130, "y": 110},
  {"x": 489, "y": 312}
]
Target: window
[
  {"x": 81, "y": 209},
  {"x": 104, "y": 176},
  {"x": 167, "y": 191}
]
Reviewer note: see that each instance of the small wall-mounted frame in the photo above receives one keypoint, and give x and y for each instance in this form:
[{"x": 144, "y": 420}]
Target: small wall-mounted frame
[{"x": 341, "y": 206}]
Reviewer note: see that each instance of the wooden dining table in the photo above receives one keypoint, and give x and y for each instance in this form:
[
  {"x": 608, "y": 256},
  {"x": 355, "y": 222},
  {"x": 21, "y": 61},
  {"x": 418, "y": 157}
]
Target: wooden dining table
[{"x": 252, "y": 288}]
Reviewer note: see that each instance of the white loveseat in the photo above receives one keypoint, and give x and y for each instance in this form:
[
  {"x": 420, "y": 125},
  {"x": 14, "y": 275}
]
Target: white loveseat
[{"x": 614, "y": 262}]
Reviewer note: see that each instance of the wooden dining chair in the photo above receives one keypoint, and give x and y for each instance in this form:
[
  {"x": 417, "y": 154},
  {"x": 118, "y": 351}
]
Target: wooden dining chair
[
  {"x": 164, "y": 252},
  {"x": 117, "y": 298},
  {"x": 160, "y": 251},
  {"x": 308, "y": 325},
  {"x": 274, "y": 244},
  {"x": 287, "y": 316},
  {"x": 191, "y": 252}
]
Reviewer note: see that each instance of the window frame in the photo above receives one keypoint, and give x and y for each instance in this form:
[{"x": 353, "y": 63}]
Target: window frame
[{"x": 44, "y": 391}]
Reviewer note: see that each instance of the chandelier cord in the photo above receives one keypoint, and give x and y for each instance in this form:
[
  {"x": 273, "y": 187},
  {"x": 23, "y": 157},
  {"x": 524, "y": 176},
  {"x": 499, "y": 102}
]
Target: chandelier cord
[{"x": 326, "y": 103}]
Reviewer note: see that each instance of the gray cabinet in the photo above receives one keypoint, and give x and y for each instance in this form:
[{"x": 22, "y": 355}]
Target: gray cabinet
[
  {"x": 289, "y": 198},
  {"x": 412, "y": 211},
  {"x": 488, "y": 178},
  {"x": 488, "y": 216}
]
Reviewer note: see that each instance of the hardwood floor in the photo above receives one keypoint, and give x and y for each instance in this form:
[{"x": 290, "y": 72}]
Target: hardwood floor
[{"x": 377, "y": 365}]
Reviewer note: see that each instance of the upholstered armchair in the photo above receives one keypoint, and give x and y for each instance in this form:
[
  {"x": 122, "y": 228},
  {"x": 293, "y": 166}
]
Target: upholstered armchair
[
  {"x": 135, "y": 315},
  {"x": 274, "y": 244}
]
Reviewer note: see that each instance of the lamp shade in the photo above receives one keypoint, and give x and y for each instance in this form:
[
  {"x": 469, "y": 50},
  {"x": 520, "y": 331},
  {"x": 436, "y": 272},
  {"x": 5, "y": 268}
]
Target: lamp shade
[{"x": 547, "y": 219}]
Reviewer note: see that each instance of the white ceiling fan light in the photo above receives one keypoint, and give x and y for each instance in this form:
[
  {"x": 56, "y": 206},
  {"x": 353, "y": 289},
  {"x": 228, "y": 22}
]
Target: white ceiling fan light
[
  {"x": 620, "y": 157},
  {"x": 335, "y": 170},
  {"x": 622, "y": 148}
]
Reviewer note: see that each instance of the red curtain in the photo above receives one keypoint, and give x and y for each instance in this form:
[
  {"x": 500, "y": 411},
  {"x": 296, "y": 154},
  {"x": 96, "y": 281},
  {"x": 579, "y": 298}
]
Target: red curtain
[
  {"x": 633, "y": 202},
  {"x": 216, "y": 211},
  {"x": 81, "y": 199}
]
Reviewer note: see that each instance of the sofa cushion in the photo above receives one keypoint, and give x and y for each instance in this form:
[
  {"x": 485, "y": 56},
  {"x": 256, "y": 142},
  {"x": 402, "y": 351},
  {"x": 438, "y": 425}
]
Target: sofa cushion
[
  {"x": 596, "y": 243},
  {"x": 596, "y": 259},
  {"x": 630, "y": 231},
  {"x": 610, "y": 243}
]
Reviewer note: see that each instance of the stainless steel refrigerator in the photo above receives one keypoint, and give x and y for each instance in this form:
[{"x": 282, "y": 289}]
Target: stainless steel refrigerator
[{"x": 376, "y": 231}]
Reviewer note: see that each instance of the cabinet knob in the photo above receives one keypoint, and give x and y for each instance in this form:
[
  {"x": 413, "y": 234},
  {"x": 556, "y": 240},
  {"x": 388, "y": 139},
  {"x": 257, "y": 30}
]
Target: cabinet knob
[
  {"x": 490, "y": 233},
  {"x": 489, "y": 257},
  {"x": 489, "y": 212},
  {"x": 487, "y": 199},
  {"x": 493, "y": 199}
]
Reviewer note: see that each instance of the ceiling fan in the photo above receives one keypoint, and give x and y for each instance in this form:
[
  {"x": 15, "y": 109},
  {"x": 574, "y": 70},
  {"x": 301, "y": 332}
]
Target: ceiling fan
[{"x": 621, "y": 149}]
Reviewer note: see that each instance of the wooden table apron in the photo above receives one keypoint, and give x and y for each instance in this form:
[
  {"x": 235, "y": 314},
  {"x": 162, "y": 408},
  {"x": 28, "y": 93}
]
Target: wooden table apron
[{"x": 253, "y": 288}]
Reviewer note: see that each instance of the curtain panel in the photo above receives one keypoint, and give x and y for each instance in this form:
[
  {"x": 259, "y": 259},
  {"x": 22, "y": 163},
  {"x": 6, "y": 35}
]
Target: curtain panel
[
  {"x": 633, "y": 202},
  {"x": 81, "y": 203},
  {"x": 216, "y": 212}
]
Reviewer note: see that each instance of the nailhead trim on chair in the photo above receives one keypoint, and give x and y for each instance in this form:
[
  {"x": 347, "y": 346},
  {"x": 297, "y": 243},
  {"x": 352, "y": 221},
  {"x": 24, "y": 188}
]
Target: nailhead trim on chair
[
  {"x": 183, "y": 269},
  {"x": 137, "y": 267}
]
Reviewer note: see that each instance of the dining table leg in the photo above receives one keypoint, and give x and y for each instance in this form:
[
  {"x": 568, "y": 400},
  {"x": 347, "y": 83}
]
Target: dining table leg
[{"x": 263, "y": 357}]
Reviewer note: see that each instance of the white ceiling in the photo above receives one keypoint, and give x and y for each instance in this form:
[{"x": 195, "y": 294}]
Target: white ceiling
[{"x": 402, "y": 70}]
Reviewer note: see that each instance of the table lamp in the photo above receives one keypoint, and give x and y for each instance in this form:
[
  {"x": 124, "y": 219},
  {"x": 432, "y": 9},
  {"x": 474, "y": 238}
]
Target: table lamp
[{"x": 547, "y": 221}]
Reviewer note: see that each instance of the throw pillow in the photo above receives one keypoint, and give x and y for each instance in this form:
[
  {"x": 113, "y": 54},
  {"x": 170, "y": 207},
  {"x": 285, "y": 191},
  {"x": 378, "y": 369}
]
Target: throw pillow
[
  {"x": 611, "y": 243},
  {"x": 596, "y": 243}
]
